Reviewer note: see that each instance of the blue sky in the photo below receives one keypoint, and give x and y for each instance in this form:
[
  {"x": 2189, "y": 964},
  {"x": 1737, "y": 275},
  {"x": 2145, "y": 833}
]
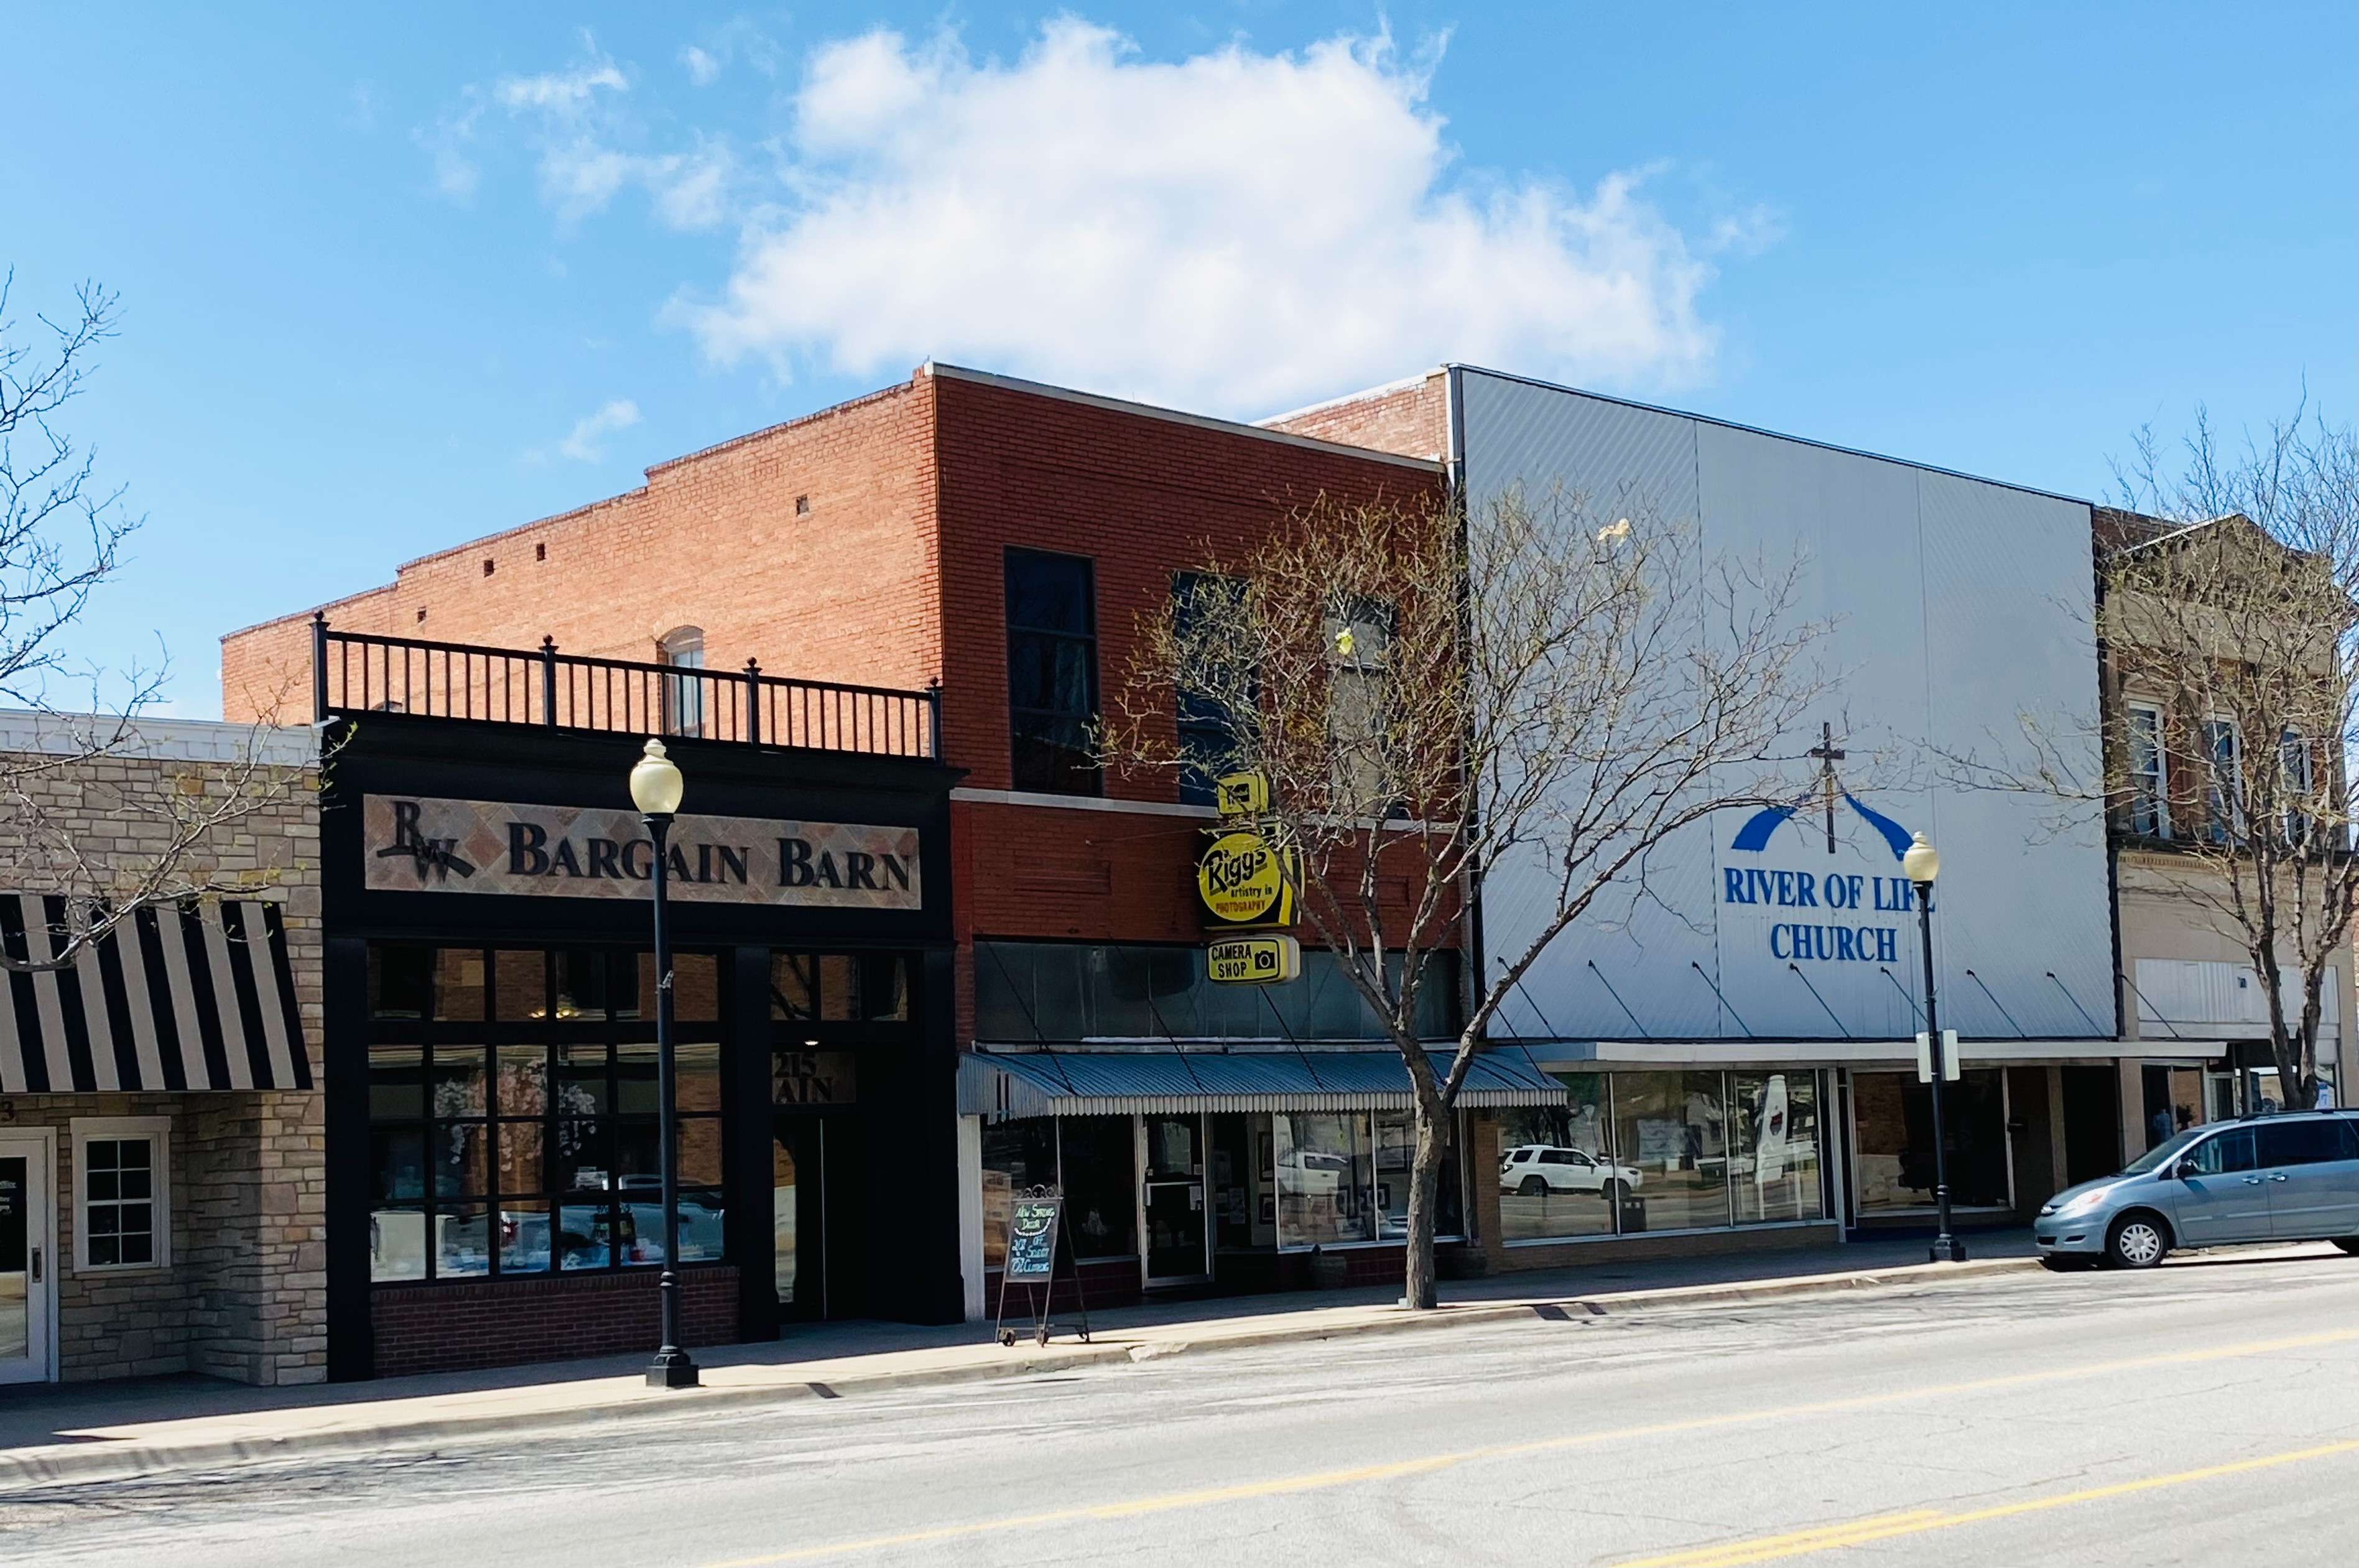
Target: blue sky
[{"x": 393, "y": 278}]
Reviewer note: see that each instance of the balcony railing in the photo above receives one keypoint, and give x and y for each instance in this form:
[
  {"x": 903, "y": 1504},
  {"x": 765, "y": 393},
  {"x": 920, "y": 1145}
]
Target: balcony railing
[{"x": 356, "y": 672}]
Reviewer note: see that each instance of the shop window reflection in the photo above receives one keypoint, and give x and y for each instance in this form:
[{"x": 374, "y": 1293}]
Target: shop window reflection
[
  {"x": 1774, "y": 1171},
  {"x": 1099, "y": 1167},
  {"x": 1326, "y": 1173}
]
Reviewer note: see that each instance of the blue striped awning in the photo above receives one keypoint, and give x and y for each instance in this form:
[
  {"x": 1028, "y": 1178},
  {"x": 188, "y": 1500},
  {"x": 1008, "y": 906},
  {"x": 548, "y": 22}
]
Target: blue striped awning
[
  {"x": 1119, "y": 1083},
  {"x": 187, "y": 996}
]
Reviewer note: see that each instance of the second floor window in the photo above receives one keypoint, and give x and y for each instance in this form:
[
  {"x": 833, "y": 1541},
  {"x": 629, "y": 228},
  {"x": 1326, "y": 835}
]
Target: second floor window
[
  {"x": 2149, "y": 781},
  {"x": 1052, "y": 673},
  {"x": 1206, "y": 727},
  {"x": 2293, "y": 752},
  {"x": 683, "y": 695},
  {"x": 2224, "y": 792}
]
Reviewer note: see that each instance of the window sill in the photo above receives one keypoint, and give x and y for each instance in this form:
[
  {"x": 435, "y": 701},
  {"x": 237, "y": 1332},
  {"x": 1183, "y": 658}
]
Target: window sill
[
  {"x": 116, "y": 1270},
  {"x": 1690, "y": 1230}
]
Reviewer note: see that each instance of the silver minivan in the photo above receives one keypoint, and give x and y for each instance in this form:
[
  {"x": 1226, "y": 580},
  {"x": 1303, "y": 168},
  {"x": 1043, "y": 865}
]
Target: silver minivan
[{"x": 2293, "y": 1176}]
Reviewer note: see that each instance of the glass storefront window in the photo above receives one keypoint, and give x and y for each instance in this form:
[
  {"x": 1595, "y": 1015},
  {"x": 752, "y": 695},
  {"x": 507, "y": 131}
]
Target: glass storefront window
[
  {"x": 1016, "y": 1155},
  {"x": 1773, "y": 1168},
  {"x": 458, "y": 984},
  {"x": 1672, "y": 1129},
  {"x": 1325, "y": 1179},
  {"x": 1556, "y": 1182},
  {"x": 519, "y": 986},
  {"x": 1894, "y": 1114},
  {"x": 400, "y": 980},
  {"x": 1030, "y": 990},
  {"x": 1395, "y": 1154},
  {"x": 1098, "y": 1160}
]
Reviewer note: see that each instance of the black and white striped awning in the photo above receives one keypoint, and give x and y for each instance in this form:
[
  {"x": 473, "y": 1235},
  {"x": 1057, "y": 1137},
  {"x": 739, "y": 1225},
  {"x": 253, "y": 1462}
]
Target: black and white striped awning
[{"x": 191, "y": 997}]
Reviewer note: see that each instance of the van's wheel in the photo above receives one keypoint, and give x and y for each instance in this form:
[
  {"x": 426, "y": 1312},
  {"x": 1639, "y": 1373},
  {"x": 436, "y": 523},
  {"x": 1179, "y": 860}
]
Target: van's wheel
[
  {"x": 2349, "y": 1244},
  {"x": 2137, "y": 1240},
  {"x": 1533, "y": 1187}
]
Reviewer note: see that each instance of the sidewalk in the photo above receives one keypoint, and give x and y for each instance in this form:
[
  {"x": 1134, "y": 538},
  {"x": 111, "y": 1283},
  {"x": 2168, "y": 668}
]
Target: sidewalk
[{"x": 94, "y": 1431}]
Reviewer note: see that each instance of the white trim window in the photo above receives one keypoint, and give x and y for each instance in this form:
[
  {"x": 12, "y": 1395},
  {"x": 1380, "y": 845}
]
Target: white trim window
[
  {"x": 2223, "y": 795},
  {"x": 122, "y": 1192},
  {"x": 2293, "y": 757},
  {"x": 2149, "y": 807},
  {"x": 683, "y": 700}
]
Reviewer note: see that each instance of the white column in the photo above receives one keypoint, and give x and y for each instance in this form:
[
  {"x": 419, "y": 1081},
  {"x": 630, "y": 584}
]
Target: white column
[{"x": 970, "y": 1166}]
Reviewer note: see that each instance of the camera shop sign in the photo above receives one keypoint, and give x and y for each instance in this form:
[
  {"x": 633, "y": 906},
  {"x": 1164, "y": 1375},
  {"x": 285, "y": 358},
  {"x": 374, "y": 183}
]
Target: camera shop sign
[{"x": 426, "y": 846}]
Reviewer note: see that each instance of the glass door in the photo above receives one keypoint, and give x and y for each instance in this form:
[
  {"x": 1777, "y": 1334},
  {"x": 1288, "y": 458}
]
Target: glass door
[
  {"x": 28, "y": 1260},
  {"x": 797, "y": 1219},
  {"x": 1172, "y": 1200}
]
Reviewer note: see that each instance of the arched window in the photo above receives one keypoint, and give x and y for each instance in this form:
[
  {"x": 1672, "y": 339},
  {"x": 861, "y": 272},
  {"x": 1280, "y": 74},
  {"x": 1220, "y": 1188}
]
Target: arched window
[{"x": 683, "y": 695}]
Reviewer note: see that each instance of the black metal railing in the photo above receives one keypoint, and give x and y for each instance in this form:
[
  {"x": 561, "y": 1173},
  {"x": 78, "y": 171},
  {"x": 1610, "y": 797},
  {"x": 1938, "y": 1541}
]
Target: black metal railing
[{"x": 358, "y": 672}]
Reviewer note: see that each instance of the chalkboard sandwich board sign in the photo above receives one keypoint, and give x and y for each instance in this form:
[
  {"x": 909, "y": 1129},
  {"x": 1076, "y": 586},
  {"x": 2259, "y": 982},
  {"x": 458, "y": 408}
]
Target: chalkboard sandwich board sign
[{"x": 1036, "y": 1236}]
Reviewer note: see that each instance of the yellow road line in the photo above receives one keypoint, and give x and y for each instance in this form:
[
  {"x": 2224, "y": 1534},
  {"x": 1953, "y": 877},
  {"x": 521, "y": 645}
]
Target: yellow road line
[
  {"x": 1859, "y": 1532},
  {"x": 1321, "y": 1480}
]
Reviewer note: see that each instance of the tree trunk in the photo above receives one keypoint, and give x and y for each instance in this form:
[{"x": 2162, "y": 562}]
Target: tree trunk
[{"x": 1424, "y": 1180}]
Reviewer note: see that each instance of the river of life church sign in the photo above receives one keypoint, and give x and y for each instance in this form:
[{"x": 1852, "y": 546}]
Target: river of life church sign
[
  {"x": 415, "y": 846},
  {"x": 1840, "y": 909}
]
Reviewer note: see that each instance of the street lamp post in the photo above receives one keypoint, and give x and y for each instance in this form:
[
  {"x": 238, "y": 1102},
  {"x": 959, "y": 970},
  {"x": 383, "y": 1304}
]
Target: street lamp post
[
  {"x": 656, "y": 790},
  {"x": 1921, "y": 864}
]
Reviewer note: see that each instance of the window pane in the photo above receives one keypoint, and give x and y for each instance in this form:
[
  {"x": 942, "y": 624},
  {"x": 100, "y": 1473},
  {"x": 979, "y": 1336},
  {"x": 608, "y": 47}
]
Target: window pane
[
  {"x": 696, "y": 1073},
  {"x": 102, "y": 1220},
  {"x": 520, "y": 985},
  {"x": 635, "y": 1145},
  {"x": 1049, "y": 593},
  {"x": 1671, "y": 1128},
  {"x": 397, "y": 1082},
  {"x": 520, "y": 1163},
  {"x": 133, "y": 1179},
  {"x": 1325, "y": 1173},
  {"x": 461, "y": 1159},
  {"x": 2224, "y": 1155},
  {"x": 396, "y": 1244},
  {"x": 695, "y": 986},
  {"x": 524, "y": 1236},
  {"x": 457, "y": 1081},
  {"x": 1016, "y": 1155},
  {"x": 1396, "y": 1154},
  {"x": 521, "y": 1083},
  {"x": 637, "y": 1085},
  {"x": 138, "y": 1247},
  {"x": 1775, "y": 1167},
  {"x": 398, "y": 1162},
  {"x": 1101, "y": 1178},
  {"x": 1053, "y": 756},
  {"x": 581, "y": 1080},
  {"x": 794, "y": 985},
  {"x": 699, "y": 1150},
  {"x": 98, "y": 1183},
  {"x": 1895, "y": 1116},
  {"x": 701, "y": 1214},
  {"x": 585, "y": 1235},
  {"x": 580, "y": 985},
  {"x": 2299, "y": 1143},
  {"x": 459, "y": 985},
  {"x": 106, "y": 1250},
  {"x": 400, "y": 980},
  {"x": 839, "y": 992},
  {"x": 462, "y": 1241},
  {"x": 884, "y": 988},
  {"x": 578, "y": 1162}
]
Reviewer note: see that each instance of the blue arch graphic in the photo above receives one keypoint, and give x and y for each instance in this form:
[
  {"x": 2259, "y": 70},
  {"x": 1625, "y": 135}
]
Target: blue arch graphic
[{"x": 1755, "y": 835}]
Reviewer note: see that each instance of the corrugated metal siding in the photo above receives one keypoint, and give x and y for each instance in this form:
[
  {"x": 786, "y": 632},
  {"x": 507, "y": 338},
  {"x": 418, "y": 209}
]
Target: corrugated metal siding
[{"x": 1082, "y": 1082}]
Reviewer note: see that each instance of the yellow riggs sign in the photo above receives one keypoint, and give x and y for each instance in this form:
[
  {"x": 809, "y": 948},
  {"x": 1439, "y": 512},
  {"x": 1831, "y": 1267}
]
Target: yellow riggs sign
[
  {"x": 1241, "y": 794},
  {"x": 1242, "y": 882},
  {"x": 1254, "y": 960}
]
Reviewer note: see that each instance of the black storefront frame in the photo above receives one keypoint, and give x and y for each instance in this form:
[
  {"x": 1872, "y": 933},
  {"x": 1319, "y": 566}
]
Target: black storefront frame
[{"x": 915, "y": 1190}]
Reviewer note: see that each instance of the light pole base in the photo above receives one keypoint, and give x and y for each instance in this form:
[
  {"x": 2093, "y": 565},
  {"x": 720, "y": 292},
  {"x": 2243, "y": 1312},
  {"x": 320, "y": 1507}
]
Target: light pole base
[
  {"x": 672, "y": 1369},
  {"x": 1945, "y": 1249}
]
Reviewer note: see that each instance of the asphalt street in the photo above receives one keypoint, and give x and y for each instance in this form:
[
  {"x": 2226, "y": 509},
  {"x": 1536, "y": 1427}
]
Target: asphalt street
[{"x": 2205, "y": 1413}]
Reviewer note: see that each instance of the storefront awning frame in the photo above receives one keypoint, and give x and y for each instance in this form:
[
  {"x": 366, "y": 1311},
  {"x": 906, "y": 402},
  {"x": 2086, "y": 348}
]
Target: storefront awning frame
[
  {"x": 1022, "y": 1083},
  {"x": 1591, "y": 1055}
]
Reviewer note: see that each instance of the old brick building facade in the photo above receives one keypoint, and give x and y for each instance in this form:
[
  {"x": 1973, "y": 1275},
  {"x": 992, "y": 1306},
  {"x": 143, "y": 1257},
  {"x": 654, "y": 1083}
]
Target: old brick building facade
[{"x": 164, "y": 1189}]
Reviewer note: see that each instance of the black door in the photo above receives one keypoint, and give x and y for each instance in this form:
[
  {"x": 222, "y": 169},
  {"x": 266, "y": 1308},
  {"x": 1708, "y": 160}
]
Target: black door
[
  {"x": 816, "y": 1263},
  {"x": 2093, "y": 1123}
]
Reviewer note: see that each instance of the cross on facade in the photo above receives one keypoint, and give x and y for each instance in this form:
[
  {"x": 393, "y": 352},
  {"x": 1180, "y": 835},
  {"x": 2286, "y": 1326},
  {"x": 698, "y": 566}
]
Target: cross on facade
[{"x": 1828, "y": 754}]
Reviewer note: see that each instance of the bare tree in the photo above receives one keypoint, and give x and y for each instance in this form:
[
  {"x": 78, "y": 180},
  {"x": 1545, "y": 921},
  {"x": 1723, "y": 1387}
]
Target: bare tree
[
  {"x": 61, "y": 538},
  {"x": 2231, "y": 601},
  {"x": 1427, "y": 694}
]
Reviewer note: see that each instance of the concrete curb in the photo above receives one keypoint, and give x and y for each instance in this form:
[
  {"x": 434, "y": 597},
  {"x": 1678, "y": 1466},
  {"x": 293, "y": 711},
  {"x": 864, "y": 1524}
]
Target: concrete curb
[{"x": 25, "y": 1469}]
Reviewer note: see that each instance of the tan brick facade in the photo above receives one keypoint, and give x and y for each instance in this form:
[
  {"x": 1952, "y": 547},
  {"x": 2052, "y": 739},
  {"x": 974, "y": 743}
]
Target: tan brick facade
[
  {"x": 243, "y": 1293},
  {"x": 1412, "y": 418}
]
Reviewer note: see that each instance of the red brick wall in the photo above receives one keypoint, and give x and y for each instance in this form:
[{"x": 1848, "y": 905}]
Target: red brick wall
[
  {"x": 505, "y": 1323},
  {"x": 1412, "y": 420},
  {"x": 846, "y": 591}
]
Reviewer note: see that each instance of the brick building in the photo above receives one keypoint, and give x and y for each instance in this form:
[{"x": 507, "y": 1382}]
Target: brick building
[
  {"x": 162, "y": 1187},
  {"x": 983, "y": 547}
]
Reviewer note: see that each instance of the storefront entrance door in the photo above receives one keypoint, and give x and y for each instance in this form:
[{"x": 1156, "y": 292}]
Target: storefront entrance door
[
  {"x": 28, "y": 1260},
  {"x": 1173, "y": 1200},
  {"x": 815, "y": 1261}
]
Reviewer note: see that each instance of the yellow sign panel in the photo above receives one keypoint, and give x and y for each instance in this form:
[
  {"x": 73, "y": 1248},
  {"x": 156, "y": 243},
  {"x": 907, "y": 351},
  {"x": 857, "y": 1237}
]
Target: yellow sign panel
[
  {"x": 1254, "y": 960},
  {"x": 1241, "y": 794},
  {"x": 1242, "y": 883}
]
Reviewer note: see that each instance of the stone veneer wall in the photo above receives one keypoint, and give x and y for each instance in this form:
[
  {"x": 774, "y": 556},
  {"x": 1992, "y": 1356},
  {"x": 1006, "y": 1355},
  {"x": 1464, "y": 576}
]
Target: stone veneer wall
[{"x": 245, "y": 1293}]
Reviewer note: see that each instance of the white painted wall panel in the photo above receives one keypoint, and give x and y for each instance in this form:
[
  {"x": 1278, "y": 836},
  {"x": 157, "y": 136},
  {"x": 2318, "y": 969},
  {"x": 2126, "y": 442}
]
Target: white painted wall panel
[{"x": 1958, "y": 605}]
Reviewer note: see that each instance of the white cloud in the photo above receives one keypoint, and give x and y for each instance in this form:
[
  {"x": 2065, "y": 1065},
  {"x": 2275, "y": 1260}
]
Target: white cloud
[
  {"x": 585, "y": 444},
  {"x": 702, "y": 66},
  {"x": 1236, "y": 230},
  {"x": 562, "y": 91}
]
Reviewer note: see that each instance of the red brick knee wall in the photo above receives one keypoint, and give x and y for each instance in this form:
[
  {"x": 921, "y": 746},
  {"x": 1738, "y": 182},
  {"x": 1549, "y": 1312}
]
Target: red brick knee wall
[{"x": 504, "y": 1323}]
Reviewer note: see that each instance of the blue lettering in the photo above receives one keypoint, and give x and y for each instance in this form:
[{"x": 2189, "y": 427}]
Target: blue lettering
[
  {"x": 1732, "y": 889},
  {"x": 1886, "y": 949},
  {"x": 1844, "y": 940},
  {"x": 1775, "y": 933},
  {"x": 1807, "y": 885}
]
